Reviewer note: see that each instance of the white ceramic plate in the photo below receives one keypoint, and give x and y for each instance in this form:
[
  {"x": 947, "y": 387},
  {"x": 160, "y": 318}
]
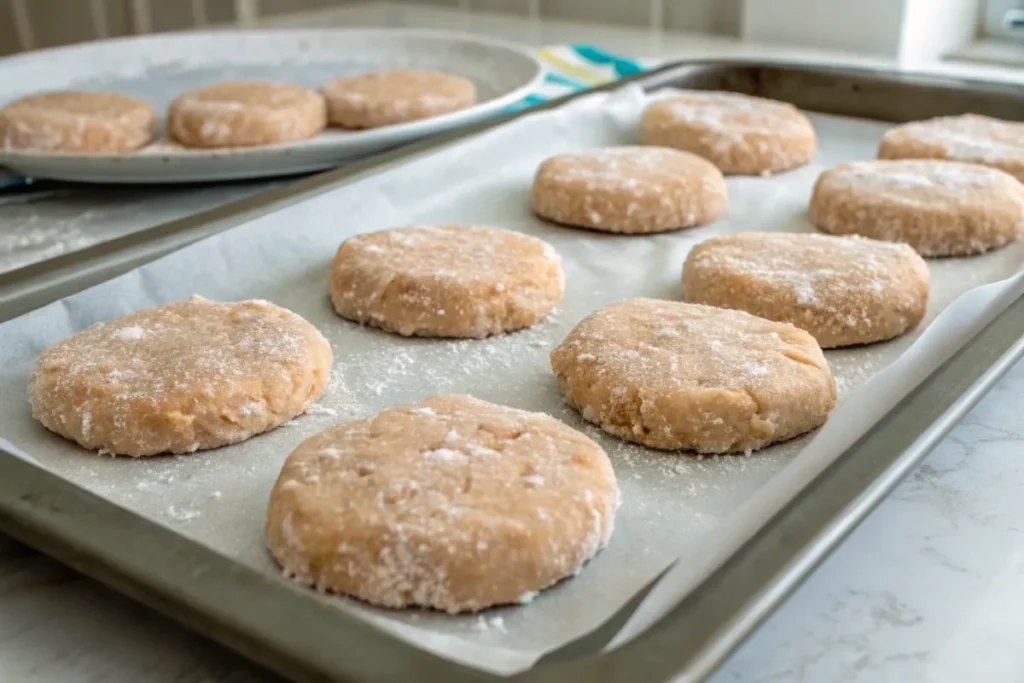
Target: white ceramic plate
[{"x": 158, "y": 67}]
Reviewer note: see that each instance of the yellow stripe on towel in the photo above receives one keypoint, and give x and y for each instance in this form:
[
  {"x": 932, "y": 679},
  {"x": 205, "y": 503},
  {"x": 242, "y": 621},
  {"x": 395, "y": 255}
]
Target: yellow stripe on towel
[{"x": 569, "y": 68}]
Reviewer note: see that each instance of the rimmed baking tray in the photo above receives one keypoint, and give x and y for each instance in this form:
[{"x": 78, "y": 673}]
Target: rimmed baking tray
[{"x": 293, "y": 631}]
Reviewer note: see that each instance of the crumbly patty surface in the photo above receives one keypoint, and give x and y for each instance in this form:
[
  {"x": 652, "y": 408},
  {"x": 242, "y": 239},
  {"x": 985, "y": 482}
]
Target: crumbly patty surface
[
  {"x": 81, "y": 122},
  {"x": 180, "y": 378},
  {"x": 246, "y": 114},
  {"x": 685, "y": 376},
  {"x": 940, "y": 208},
  {"x": 385, "y": 98},
  {"x": 843, "y": 290},
  {"x": 446, "y": 281},
  {"x": 629, "y": 190},
  {"x": 453, "y": 503},
  {"x": 740, "y": 134},
  {"x": 969, "y": 138}
]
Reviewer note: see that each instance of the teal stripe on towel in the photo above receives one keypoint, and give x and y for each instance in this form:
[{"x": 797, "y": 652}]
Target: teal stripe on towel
[
  {"x": 562, "y": 79},
  {"x": 623, "y": 67}
]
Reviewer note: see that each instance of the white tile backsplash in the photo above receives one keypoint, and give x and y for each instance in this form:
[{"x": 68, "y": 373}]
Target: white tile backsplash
[
  {"x": 705, "y": 16},
  {"x": 619, "y": 12},
  {"x": 872, "y": 26},
  {"x": 57, "y": 22},
  {"x": 517, "y": 7}
]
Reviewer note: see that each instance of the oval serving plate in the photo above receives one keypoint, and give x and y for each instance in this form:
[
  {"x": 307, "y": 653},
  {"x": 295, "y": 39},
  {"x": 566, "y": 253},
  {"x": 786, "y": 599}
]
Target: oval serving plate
[{"x": 159, "y": 67}]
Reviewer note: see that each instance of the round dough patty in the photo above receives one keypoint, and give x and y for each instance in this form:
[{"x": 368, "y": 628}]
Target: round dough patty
[
  {"x": 453, "y": 504},
  {"x": 843, "y": 290},
  {"x": 446, "y": 281},
  {"x": 970, "y": 138},
  {"x": 685, "y": 376},
  {"x": 941, "y": 208},
  {"x": 246, "y": 114},
  {"x": 384, "y": 98},
  {"x": 740, "y": 134},
  {"x": 77, "y": 122},
  {"x": 629, "y": 190},
  {"x": 180, "y": 378}
]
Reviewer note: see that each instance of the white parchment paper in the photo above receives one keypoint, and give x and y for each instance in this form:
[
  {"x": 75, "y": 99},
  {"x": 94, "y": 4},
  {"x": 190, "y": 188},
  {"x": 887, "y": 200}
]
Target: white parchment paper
[{"x": 674, "y": 505}]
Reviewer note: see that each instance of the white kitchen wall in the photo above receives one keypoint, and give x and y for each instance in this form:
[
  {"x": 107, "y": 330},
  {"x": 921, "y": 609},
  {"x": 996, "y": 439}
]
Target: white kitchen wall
[
  {"x": 937, "y": 27},
  {"x": 911, "y": 31},
  {"x": 871, "y": 26}
]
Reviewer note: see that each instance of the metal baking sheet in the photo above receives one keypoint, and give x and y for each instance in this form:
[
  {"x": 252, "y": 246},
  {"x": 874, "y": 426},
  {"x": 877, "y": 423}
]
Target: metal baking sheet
[{"x": 674, "y": 506}]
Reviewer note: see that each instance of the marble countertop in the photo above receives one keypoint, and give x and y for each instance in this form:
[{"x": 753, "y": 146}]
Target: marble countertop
[{"x": 929, "y": 588}]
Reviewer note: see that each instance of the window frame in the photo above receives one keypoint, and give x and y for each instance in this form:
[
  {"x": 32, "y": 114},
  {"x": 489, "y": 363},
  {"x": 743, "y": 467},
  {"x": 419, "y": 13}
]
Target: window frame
[{"x": 993, "y": 13}]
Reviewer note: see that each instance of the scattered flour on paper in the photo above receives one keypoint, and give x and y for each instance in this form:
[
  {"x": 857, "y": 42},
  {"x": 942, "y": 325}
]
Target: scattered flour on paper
[
  {"x": 181, "y": 514},
  {"x": 443, "y": 364}
]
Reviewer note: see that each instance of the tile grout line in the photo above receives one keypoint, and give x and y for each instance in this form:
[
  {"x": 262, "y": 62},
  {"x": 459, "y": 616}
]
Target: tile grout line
[
  {"x": 656, "y": 15},
  {"x": 247, "y": 13},
  {"x": 142, "y": 17},
  {"x": 98, "y": 11},
  {"x": 22, "y": 24},
  {"x": 199, "y": 14}
]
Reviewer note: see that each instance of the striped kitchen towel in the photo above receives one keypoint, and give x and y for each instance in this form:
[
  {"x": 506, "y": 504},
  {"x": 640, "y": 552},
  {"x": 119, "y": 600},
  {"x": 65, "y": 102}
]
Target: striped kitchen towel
[
  {"x": 570, "y": 68},
  {"x": 567, "y": 69}
]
